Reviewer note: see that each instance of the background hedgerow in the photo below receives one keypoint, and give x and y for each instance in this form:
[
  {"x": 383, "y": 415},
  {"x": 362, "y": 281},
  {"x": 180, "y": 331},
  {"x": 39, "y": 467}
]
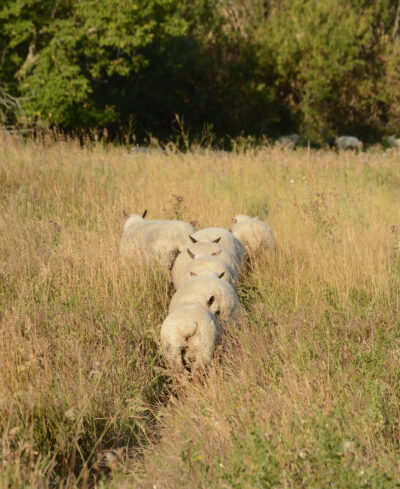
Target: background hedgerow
[
  {"x": 242, "y": 67},
  {"x": 304, "y": 394}
]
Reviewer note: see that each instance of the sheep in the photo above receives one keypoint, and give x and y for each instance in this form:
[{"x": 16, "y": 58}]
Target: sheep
[
  {"x": 207, "y": 265},
  {"x": 145, "y": 149},
  {"x": 133, "y": 220},
  {"x": 198, "y": 250},
  {"x": 189, "y": 335},
  {"x": 138, "y": 149},
  {"x": 158, "y": 238},
  {"x": 226, "y": 240},
  {"x": 252, "y": 233},
  {"x": 393, "y": 141},
  {"x": 209, "y": 291},
  {"x": 241, "y": 217},
  {"x": 348, "y": 142},
  {"x": 290, "y": 141}
]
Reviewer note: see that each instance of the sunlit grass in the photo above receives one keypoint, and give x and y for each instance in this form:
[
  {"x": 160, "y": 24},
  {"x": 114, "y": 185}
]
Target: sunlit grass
[{"x": 305, "y": 394}]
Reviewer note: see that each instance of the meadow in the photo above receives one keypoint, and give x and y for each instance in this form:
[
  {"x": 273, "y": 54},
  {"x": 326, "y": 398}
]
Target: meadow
[{"x": 305, "y": 394}]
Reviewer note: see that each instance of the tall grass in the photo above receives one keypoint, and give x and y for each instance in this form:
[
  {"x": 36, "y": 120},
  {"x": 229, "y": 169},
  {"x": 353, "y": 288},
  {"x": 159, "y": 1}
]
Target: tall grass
[{"x": 304, "y": 394}]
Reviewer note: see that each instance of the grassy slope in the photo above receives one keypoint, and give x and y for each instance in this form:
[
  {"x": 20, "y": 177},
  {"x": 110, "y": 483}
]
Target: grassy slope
[{"x": 306, "y": 394}]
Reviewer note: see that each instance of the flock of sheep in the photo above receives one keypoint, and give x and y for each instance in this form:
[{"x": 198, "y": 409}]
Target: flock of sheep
[
  {"x": 205, "y": 267},
  {"x": 340, "y": 142},
  {"x": 291, "y": 141}
]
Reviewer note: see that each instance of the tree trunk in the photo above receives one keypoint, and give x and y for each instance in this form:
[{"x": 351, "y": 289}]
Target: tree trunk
[{"x": 396, "y": 22}]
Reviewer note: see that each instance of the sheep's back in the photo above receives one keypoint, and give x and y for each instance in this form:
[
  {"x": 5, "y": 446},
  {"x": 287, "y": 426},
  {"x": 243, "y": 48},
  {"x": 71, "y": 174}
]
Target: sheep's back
[
  {"x": 200, "y": 289},
  {"x": 227, "y": 241},
  {"x": 199, "y": 250},
  {"x": 190, "y": 332},
  {"x": 254, "y": 234},
  {"x": 208, "y": 265},
  {"x": 158, "y": 238}
]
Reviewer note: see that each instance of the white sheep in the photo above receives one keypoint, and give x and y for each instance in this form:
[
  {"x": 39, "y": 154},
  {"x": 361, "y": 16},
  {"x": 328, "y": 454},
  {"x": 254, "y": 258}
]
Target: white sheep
[
  {"x": 209, "y": 291},
  {"x": 252, "y": 233},
  {"x": 241, "y": 217},
  {"x": 207, "y": 265},
  {"x": 225, "y": 239},
  {"x": 290, "y": 141},
  {"x": 198, "y": 250},
  {"x": 348, "y": 142},
  {"x": 393, "y": 141},
  {"x": 155, "y": 238},
  {"x": 189, "y": 335}
]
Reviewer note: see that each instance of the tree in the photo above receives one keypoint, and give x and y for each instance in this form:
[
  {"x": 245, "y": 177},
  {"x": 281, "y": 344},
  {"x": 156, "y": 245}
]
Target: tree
[
  {"x": 330, "y": 57},
  {"x": 75, "y": 47}
]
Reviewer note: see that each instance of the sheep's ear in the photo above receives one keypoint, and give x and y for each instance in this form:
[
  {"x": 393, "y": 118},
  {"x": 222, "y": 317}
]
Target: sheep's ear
[
  {"x": 125, "y": 214},
  {"x": 193, "y": 240},
  {"x": 221, "y": 275},
  {"x": 216, "y": 240},
  {"x": 234, "y": 220},
  {"x": 216, "y": 253},
  {"x": 211, "y": 301},
  {"x": 193, "y": 274},
  {"x": 190, "y": 254},
  {"x": 144, "y": 214}
]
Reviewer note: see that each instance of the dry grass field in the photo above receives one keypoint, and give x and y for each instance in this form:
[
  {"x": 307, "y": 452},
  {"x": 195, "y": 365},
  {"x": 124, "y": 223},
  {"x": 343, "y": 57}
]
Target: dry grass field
[{"x": 304, "y": 395}]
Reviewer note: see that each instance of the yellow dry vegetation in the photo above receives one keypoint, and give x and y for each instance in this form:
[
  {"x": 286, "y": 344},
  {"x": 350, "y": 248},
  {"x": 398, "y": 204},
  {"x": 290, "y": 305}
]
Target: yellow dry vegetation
[{"x": 304, "y": 394}]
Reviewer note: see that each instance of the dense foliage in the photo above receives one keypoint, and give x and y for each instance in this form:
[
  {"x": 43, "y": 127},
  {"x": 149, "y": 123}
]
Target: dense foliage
[{"x": 252, "y": 66}]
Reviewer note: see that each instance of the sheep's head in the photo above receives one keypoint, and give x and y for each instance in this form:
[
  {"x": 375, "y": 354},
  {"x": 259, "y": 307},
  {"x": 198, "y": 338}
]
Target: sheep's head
[
  {"x": 214, "y": 304},
  {"x": 211, "y": 301},
  {"x": 194, "y": 240},
  {"x": 240, "y": 218},
  {"x": 193, "y": 256},
  {"x": 207, "y": 272},
  {"x": 133, "y": 218}
]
